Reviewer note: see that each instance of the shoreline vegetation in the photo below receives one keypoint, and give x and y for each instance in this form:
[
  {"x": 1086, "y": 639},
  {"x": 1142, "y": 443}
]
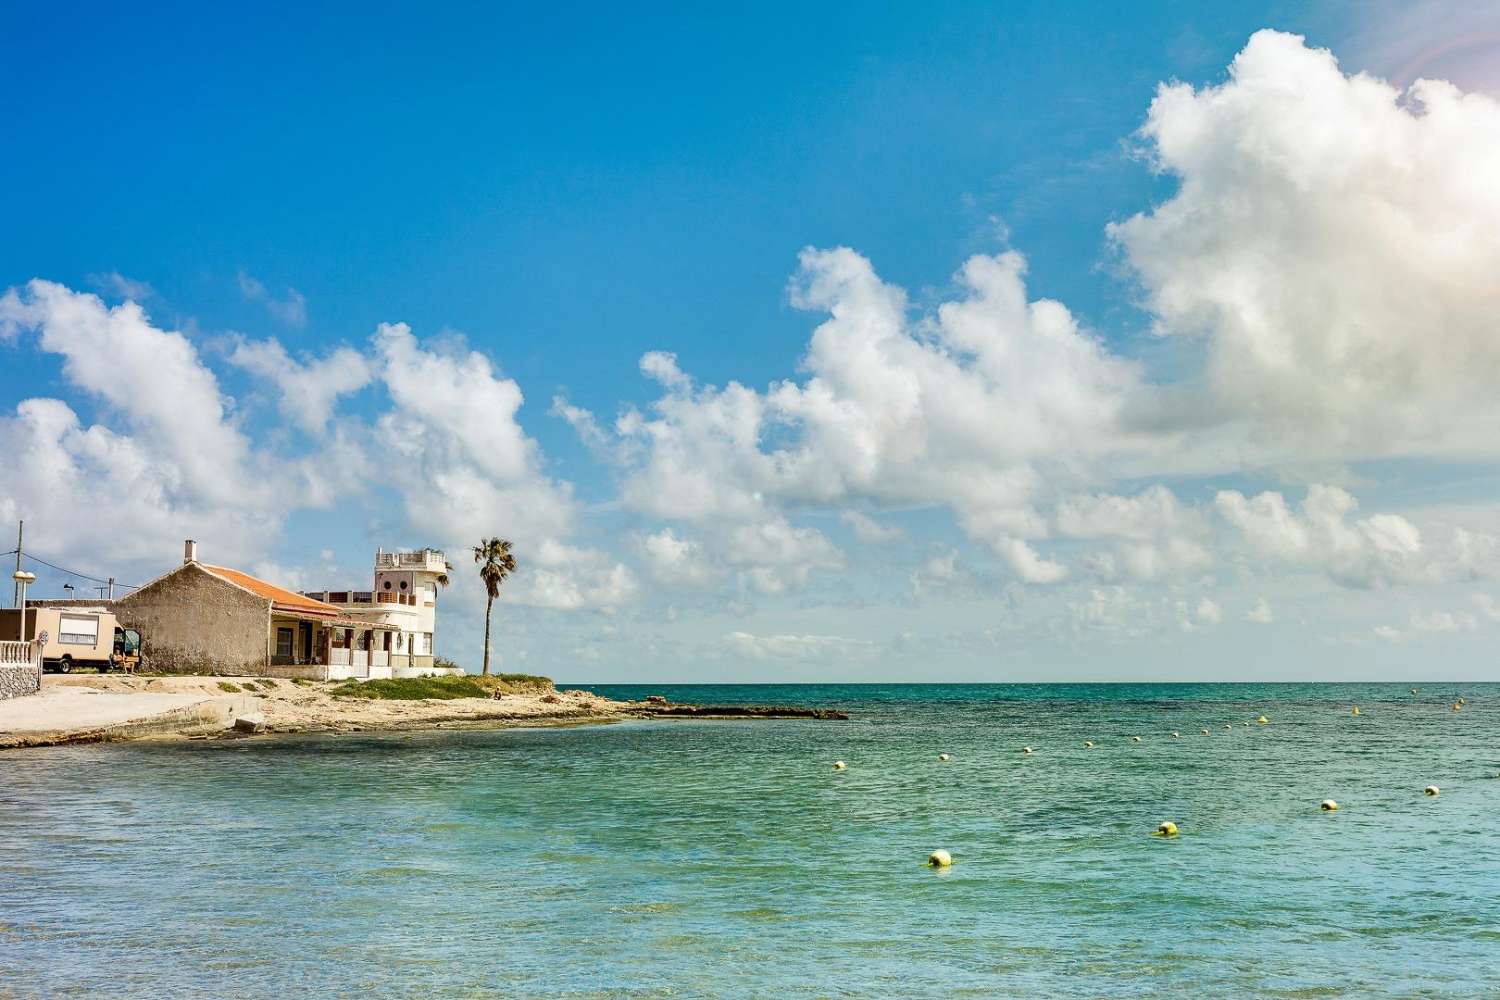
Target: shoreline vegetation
[{"x": 83, "y": 708}]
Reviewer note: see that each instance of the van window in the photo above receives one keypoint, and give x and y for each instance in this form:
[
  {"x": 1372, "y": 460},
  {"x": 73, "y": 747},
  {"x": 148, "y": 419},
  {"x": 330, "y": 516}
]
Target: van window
[{"x": 78, "y": 630}]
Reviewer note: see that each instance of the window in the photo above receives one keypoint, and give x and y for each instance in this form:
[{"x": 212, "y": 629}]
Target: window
[
  {"x": 387, "y": 585},
  {"x": 403, "y": 584},
  {"x": 78, "y": 630},
  {"x": 283, "y": 642}
]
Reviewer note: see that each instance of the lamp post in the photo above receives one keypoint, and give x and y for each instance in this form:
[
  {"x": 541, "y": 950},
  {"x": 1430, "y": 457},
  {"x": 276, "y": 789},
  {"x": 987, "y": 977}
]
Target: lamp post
[{"x": 23, "y": 578}]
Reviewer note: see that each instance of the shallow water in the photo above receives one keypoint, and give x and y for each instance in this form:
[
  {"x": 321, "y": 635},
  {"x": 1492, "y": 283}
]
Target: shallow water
[{"x": 692, "y": 858}]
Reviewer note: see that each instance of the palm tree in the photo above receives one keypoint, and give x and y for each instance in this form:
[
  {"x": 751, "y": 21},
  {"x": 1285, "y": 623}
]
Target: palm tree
[{"x": 495, "y": 564}]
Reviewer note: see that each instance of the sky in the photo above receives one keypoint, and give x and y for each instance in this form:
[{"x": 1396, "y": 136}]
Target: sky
[{"x": 917, "y": 342}]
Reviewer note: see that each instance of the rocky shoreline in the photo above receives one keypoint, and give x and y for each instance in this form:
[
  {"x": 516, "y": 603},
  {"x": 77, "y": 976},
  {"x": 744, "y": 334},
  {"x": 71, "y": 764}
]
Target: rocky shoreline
[{"x": 93, "y": 709}]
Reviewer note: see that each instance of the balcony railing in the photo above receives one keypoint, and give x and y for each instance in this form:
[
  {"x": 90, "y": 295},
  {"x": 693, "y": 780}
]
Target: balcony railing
[
  {"x": 430, "y": 560},
  {"x": 361, "y": 597}
]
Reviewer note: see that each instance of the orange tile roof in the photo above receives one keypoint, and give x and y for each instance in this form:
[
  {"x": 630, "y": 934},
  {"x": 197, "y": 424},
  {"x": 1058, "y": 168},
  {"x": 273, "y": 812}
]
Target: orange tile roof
[{"x": 278, "y": 596}]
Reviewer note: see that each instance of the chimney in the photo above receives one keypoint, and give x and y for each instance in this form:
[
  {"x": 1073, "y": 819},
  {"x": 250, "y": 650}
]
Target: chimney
[{"x": 189, "y": 551}]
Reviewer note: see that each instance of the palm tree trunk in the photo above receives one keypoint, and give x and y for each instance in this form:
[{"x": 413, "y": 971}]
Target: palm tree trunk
[{"x": 489, "y": 602}]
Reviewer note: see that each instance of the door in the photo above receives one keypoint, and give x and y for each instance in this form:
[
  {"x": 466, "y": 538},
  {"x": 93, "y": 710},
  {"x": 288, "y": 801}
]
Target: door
[{"x": 307, "y": 647}]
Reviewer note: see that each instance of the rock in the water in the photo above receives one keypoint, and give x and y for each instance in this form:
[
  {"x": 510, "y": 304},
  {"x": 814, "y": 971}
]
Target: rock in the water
[{"x": 252, "y": 723}]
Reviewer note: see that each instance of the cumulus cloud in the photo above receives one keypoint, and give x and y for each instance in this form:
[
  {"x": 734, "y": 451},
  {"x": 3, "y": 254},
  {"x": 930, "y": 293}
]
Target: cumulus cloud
[
  {"x": 969, "y": 407},
  {"x": 1334, "y": 241},
  {"x": 308, "y": 389},
  {"x": 466, "y": 468},
  {"x": 1155, "y": 535},
  {"x": 1260, "y": 612},
  {"x": 676, "y": 561},
  {"x": 290, "y": 310},
  {"x": 1379, "y": 550}
]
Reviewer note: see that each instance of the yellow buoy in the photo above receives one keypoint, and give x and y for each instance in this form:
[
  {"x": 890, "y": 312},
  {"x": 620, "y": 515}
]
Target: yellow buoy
[
  {"x": 1167, "y": 829},
  {"x": 1229, "y": 726},
  {"x": 1262, "y": 720},
  {"x": 1089, "y": 744},
  {"x": 839, "y": 765},
  {"x": 1431, "y": 790},
  {"x": 1206, "y": 732},
  {"x": 939, "y": 859},
  {"x": 944, "y": 757},
  {"x": 1328, "y": 806},
  {"x": 1135, "y": 739},
  {"x": 1354, "y": 710},
  {"x": 1458, "y": 706},
  {"x": 1413, "y": 690},
  {"x": 1176, "y": 735},
  {"x": 1462, "y": 702},
  {"x": 1026, "y": 749}
]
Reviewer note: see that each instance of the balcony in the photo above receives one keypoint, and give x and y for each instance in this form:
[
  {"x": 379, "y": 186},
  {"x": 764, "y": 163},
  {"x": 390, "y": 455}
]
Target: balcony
[{"x": 428, "y": 560}]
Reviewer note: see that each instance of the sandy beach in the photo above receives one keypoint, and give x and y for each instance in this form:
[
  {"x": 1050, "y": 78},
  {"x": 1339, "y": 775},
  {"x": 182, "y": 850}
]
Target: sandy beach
[{"x": 97, "y": 708}]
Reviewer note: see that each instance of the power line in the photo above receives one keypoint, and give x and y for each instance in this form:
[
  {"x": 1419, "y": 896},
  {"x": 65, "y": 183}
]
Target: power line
[{"x": 60, "y": 569}]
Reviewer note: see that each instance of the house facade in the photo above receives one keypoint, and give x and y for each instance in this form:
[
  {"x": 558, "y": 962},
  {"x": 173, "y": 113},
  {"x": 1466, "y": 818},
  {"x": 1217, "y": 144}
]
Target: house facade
[
  {"x": 202, "y": 618},
  {"x": 403, "y": 600}
]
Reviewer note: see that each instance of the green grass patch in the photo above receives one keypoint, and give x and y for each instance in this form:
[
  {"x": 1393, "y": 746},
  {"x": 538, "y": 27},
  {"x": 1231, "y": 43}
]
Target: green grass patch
[
  {"x": 227, "y": 686},
  {"x": 417, "y": 688}
]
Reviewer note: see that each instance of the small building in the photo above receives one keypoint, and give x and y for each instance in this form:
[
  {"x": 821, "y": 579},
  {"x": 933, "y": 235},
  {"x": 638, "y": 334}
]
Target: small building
[
  {"x": 206, "y": 619},
  {"x": 403, "y": 599}
]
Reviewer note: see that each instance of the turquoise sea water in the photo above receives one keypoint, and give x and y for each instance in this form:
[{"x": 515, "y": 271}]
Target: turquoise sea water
[{"x": 688, "y": 858}]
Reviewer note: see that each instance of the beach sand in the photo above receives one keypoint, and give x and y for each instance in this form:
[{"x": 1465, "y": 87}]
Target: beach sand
[
  {"x": 85, "y": 708},
  {"x": 88, "y": 708}
]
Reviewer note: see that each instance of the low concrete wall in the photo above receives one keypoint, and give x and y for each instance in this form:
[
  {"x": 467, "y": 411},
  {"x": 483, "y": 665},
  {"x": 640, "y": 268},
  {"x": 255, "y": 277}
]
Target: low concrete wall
[{"x": 19, "y": 680}]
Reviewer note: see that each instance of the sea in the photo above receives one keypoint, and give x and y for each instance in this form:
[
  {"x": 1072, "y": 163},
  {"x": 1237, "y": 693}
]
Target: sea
[{"x": 688, "y": 858}]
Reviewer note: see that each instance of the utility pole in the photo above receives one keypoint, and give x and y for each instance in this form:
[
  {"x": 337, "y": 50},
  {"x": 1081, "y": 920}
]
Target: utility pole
[
  {"x": 15, "y": 601},
  {"x": 111, "y": 588}
]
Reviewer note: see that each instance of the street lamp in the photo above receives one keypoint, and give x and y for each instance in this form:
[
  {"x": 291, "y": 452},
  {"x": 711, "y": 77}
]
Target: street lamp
[{"x": 23, "y": 578}]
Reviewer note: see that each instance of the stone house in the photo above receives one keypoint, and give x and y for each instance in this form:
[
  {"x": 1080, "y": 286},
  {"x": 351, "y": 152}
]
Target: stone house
[{"x": 206, "y": 619}]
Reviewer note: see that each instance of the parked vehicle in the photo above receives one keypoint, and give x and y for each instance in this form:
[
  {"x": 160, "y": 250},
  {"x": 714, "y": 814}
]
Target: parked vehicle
[{"x": 77, "y": 637}]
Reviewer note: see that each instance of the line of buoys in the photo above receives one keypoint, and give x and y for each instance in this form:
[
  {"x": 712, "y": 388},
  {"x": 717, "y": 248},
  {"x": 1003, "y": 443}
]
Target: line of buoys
[
  {"x": 839, "y": 765},
  {"x": 1167, "y": 829},
  {"x": 940, "y": 859},
  {"x": 1431, "y": 790},
  {"x": 1328, "y": 806}
]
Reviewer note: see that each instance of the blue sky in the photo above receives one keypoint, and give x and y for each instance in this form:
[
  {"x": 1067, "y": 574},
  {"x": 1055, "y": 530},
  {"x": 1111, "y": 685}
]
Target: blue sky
[{"x": 565, "y": 192}]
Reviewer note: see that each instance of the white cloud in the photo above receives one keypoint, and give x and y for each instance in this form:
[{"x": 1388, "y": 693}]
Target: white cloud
[
  {"x": 117, "y": 284},
  {"x": 1208, "y": 612},
  {"x": 1335, "y": 244},
  {"x": 1380, "y": 550},
  {"x": 867, "y": 529},
  {"x": 796, "y": 647},
  {"x": 308, "y": 389},
  {"x": 1157, "y": 536},
  {"x": 1428, "y": 622},
  {"x": 290, "y": 310},
  {"x": 676, "y": 561},
  {"x": 1260, "y": 612},
  {"x": 775, "y": 555},
  {"x": 969, "y": 407}
]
